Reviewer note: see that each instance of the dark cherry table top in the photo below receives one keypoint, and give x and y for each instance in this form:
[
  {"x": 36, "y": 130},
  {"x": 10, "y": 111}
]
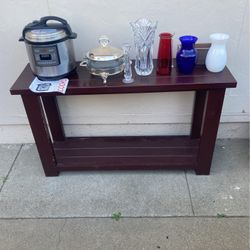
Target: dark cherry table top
[{"x": 82, "y": 82}]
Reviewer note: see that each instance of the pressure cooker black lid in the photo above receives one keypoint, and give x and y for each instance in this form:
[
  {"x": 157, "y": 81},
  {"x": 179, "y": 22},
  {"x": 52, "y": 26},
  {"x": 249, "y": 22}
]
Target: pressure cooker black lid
[{"x": 43, "y": 31}]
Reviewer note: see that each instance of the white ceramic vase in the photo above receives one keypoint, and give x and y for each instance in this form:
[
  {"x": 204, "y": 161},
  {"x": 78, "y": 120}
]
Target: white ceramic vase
[{"x": 216, "y": 58}]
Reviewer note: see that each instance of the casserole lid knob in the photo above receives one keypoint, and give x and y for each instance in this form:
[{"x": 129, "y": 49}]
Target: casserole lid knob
[{"x": 104, "y": 41}]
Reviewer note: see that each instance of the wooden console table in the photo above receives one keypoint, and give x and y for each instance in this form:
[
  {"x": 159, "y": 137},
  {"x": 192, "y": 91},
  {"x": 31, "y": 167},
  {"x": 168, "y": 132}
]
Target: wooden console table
[{"x": 60, "y": 153}]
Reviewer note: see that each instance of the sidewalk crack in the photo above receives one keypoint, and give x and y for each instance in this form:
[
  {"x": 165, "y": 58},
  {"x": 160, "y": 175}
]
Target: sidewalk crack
[
  {"x": 59, "y": 234},
  {"x": 189, "y": 193},
  {"x": 11, "y": 167}
]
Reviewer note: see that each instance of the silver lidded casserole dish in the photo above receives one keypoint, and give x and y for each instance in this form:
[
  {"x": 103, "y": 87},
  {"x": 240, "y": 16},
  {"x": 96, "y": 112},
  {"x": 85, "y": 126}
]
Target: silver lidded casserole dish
[{"x": 104, "y": 60}]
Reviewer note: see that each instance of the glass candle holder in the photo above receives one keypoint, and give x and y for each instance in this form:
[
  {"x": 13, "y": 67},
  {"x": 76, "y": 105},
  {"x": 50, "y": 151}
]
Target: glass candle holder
[{"x": 127, "y": 64}]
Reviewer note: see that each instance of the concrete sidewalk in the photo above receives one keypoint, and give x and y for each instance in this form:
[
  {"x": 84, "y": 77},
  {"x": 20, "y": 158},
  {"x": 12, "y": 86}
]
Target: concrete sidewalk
[{"x": 160, "y": 210}]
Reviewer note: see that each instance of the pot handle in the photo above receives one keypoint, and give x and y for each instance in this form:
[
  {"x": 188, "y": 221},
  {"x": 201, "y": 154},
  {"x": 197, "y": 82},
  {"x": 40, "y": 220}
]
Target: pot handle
[
  {"x": 43, "y": 20},
  {"x": 65, "y": 25},
  {"x": 84, "y": 62}
]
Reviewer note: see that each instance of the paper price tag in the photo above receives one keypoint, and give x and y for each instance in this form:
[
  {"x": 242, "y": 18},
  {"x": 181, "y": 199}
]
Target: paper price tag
[{"x": 38, "y": 86}]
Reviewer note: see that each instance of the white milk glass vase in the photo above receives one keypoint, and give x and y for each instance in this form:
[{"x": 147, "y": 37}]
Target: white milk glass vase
[
  {"x": 216, "y": 58},
  {"x": 144, "y": 33}
]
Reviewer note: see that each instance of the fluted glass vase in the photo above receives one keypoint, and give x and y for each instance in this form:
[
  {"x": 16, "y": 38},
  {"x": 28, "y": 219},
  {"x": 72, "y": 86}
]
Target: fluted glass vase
[
  {"x": 217, "y": 55},
  {"x": 144, "y": 33},
  {"x": 187, "y": 54}
]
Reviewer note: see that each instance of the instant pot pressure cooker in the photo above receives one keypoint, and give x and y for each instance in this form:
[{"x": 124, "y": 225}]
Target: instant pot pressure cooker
[{"x": 50, "y": 47}]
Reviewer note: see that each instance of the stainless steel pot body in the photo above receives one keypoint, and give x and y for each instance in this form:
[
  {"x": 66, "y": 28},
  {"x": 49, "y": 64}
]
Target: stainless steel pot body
[
  {"x": 51, "y": 60},
  {"x": 49, "y": 45}
]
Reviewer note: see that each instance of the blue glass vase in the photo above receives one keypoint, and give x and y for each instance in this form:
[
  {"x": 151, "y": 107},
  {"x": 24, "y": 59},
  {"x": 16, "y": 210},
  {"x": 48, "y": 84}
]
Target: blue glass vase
[{"x": 186, "y": 56}]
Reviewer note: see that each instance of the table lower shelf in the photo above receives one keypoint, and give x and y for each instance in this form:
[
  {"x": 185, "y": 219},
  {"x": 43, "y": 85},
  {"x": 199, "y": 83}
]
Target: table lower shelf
[{"x": 126, "y": 153}]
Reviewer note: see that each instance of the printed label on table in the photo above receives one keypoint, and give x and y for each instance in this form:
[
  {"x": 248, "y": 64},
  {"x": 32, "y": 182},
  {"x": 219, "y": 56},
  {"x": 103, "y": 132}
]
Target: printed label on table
[{"x": 38, "y": 86}]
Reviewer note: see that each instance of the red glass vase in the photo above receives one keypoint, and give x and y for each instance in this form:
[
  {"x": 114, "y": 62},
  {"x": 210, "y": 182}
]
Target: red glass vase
[{"x": 164, "y": 59}]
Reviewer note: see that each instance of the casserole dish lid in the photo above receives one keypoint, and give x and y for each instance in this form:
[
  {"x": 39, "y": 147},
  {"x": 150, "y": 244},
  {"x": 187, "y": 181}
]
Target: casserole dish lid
[{"x": 104, "y": 52}]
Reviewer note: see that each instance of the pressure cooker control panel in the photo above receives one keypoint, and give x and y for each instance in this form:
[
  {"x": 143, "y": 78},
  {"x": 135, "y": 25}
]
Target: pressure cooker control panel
[{"x": 46, "y": 56}]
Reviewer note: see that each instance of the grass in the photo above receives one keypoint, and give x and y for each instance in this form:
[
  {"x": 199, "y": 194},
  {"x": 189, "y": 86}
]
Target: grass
[
  {"x": 221, "y": 215},
  {"x": 116, "y": 216},
  {"x": 3, "y": 179}
]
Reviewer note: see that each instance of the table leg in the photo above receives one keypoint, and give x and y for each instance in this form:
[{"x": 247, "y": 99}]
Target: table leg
[
  {"x": 198, "y": 111},
  {"x": 54, "y": 117},
  {"x": 211, "y": 119},
  {"x": 36, "y": 116}
]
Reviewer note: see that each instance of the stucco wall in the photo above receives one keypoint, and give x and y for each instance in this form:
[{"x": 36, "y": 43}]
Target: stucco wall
[{"x": 125, "y": 114}]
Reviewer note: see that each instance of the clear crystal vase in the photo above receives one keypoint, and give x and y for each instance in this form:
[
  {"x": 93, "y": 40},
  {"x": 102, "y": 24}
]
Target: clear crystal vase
[{"x": 144, "y": 33}]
